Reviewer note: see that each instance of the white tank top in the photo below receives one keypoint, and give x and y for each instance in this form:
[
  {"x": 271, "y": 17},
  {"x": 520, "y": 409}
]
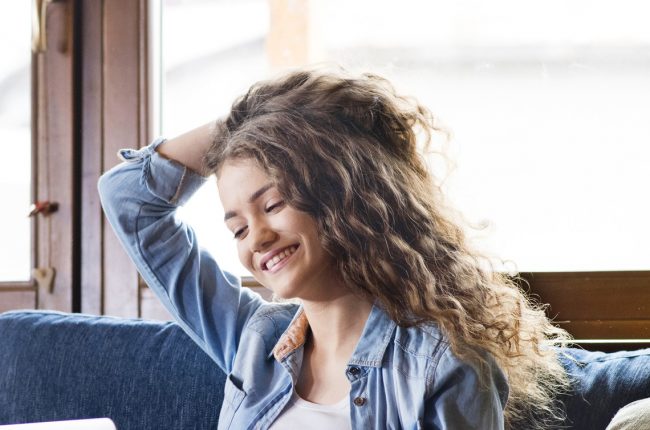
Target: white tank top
[{"x": 301, "y": 414}]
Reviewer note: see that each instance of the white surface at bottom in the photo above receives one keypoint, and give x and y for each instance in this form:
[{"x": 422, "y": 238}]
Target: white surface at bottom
[{"x": 93, "y": 424}]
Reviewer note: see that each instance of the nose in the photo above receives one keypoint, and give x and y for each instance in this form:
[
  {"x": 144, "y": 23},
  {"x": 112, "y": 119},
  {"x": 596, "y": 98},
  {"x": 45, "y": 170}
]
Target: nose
[{"x": 262, "y": 236}]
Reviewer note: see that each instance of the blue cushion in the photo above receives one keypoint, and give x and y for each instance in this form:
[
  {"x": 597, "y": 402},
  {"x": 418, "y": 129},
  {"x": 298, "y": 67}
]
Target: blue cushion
[
  {"x": 142, "y": 374},
  {"x": 602, "y": 384},
  {"x": 150, "y": 375}
]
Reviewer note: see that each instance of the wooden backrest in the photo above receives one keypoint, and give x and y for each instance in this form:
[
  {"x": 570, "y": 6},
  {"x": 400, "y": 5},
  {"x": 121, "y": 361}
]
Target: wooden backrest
[{"x": 602, "y": 310}]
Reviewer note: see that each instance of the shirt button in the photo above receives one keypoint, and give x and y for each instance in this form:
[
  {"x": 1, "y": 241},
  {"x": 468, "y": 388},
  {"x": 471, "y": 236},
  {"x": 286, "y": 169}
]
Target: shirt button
[
  {"x": 354, "y": 371},
  {"x": 360, "y": 401}
]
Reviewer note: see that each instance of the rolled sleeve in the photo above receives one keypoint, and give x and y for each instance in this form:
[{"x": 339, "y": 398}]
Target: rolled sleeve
[
  {"x": 165, "y": 179},
  {"x": 140, "y": 197}
]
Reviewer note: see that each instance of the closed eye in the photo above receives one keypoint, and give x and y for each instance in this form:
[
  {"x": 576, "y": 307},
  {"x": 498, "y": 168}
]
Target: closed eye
[
  {"x": 239, "y": 232},
  {"x": 274, "y": 206}
]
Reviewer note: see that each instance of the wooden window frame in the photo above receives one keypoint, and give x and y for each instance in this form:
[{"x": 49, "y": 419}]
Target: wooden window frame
[
  {"x": 53, "y": 168},
  {"x": 115, "y": 105}
]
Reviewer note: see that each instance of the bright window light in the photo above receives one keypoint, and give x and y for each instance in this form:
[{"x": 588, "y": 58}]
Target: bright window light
[
  {"x": 15, "y": 135},
  {"x": 548, "y": 103}
]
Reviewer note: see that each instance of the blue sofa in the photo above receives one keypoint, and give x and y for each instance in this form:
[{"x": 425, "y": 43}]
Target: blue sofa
[{"x": 150, "y": 375}]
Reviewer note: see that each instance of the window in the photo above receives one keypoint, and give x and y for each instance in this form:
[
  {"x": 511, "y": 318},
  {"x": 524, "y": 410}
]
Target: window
[
  {"x": 38, "y": 163},
  {"x": 15, "y": 133},
  {"x": 547, "y": 102}
]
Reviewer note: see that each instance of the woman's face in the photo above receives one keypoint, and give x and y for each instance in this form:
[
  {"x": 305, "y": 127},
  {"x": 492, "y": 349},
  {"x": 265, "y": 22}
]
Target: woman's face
[{"x": 278, "y": 244}]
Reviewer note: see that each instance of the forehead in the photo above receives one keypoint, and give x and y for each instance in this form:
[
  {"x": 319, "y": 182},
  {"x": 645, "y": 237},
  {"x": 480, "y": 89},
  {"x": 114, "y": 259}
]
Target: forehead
[
  {"x": 238, "y": 179},
  {"x": 239, "y": 168}
]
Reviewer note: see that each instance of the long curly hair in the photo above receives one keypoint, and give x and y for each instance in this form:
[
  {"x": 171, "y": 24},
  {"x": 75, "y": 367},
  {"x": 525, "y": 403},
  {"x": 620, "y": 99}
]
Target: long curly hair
[{"x": 348, "y": 150}]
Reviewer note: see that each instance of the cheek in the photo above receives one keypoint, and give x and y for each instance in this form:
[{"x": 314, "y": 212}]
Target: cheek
[
  {"x": 244, "y": 256},
  {"x": 309, "y": 228}
]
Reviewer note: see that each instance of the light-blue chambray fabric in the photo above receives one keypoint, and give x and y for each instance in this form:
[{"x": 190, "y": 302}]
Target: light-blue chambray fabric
[{"x": 401, "y": 378}]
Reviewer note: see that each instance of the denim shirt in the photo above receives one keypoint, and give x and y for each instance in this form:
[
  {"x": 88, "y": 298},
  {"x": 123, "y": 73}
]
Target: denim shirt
[{"x": 401, "y": 378}]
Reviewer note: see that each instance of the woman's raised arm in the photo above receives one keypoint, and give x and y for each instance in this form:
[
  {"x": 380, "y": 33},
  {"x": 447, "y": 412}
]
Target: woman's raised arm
[{"x": 140, "y": 197}]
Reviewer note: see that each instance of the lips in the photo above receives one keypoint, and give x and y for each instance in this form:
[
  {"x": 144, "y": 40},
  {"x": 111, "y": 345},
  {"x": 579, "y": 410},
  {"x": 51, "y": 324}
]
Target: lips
[{"x": 276, "y": 257}]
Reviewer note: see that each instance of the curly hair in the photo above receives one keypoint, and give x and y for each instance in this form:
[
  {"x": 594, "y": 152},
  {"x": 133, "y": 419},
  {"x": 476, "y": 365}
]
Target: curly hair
[{"x": 348, "y": 150}]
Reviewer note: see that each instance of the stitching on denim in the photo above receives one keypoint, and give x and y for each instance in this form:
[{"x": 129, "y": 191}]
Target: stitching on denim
[
  {"x": 264, "y": 414},
  {"x": 427, "y": 357},
  {"x": 377, "y": 359},
  {"x": 181, "y": 183},
  {"x": 262, "y": 314},
  {"x": 253, "y": 325},
  {"x": 412, "y": 352},
  {"x": 434, "y": 367},
  {"x": 276, "y": 335},
  {"x": 410, "y": 375}
]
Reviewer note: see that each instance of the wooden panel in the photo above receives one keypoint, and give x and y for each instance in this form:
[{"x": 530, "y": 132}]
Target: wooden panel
[
  {"x": 122, "y": 114},
  {"x": 92, "y": 156},
  {"x": 608, "y": 329},
  {"x": 614, "y": 346},
  {"x": 145, "y": 74},
  {"x": 583, "y": 296},
  {"x": 55, "y": 156},
  {"x": 22, "y": 299},
  {"x": 596, "y": 305}
]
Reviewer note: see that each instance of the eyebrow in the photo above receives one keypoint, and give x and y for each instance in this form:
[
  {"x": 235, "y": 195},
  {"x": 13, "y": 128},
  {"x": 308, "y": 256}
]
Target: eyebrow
[{"x": 251, "y": 199}]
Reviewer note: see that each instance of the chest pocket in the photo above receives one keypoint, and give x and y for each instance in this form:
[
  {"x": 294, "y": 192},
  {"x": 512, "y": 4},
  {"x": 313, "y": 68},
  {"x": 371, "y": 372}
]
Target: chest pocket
[{"x": 233, "y": 396}]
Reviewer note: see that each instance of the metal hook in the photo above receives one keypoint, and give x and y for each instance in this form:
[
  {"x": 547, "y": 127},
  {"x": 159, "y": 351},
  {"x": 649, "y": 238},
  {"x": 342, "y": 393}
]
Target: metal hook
[
  {"x": 39, "y": 20},
  {"x": 44, "y": 208}
]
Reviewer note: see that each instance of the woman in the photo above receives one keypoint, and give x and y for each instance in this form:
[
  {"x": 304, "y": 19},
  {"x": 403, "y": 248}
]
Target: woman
[{"x": 400, "y": 324}]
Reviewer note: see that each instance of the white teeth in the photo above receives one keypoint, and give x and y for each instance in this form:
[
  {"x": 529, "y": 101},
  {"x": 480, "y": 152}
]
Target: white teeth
[{"x": 279, "y": 257}]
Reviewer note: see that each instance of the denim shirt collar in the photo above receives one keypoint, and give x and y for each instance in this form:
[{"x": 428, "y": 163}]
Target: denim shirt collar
[
  {"x": 369, "y": 351},
  {"x": 293, "y": 337}
]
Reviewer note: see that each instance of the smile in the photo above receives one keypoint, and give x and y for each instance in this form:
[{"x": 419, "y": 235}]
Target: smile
[{"x": 279, "y": 258}]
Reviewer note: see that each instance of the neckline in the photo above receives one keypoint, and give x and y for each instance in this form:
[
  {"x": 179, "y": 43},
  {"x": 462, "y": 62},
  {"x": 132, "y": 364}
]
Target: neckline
[{"x": 340, "y": 405}]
